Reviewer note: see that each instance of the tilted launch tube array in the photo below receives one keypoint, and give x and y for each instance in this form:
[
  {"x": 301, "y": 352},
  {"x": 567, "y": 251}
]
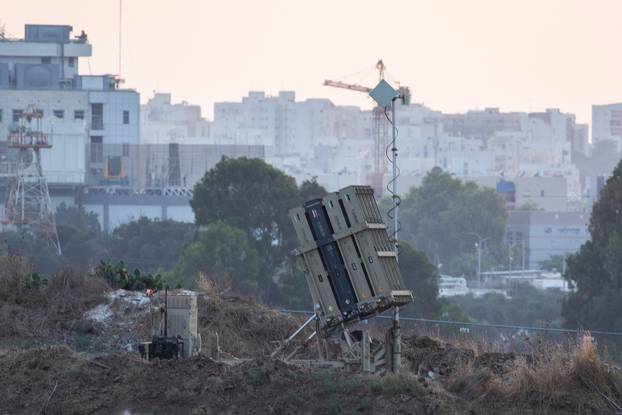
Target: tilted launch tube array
[{"x": 350, "y": 265}]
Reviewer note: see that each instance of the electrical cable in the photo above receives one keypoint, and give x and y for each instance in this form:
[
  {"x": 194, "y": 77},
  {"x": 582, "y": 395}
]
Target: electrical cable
[
  {"x": 397, "y": 200},
  {"x": 484, "y": 325},
  {"x": 366, "y": 70}
]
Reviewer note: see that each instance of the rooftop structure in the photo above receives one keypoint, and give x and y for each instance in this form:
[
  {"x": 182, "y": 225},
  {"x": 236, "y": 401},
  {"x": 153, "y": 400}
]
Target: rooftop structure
[{"x": 93, "y": 121}]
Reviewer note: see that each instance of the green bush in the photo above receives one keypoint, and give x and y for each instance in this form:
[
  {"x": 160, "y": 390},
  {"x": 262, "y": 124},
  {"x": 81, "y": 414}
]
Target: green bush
[{"x": 118, "y": 276}]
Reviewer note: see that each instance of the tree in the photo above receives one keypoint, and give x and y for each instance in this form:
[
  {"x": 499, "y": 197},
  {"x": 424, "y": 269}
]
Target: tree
[
  {"x": 80, "y": 235},
  {"x": 150, "y": 244},
  {"x": 554, "y": 263},
  {"x": 221, "y": 253},
  {"x": 311, "y": 189},
  {"x": 527, "y": 306},
  {"x": 35, "y": 248},
  {"x": 421, "y": 277},
  {"x": 596, "y": 270},
  {"x": 443, "y": 216},
  {"x": 253, "y": 196}
]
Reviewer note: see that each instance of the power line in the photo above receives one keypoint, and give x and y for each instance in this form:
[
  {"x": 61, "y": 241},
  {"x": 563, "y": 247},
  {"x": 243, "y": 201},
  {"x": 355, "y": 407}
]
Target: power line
[{"x": 484, "y": 325}]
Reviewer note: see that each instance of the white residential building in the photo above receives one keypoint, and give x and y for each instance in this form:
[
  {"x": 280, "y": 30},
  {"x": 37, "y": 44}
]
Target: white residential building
[
  {"x": 90, "y": 120},
  {"x": 163, "y": 122},
  {"x": 607, "y": 124}
]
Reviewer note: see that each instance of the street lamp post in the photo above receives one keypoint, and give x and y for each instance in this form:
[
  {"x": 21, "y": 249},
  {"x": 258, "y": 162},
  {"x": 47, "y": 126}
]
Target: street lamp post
[{"x": 479, "y": 245}]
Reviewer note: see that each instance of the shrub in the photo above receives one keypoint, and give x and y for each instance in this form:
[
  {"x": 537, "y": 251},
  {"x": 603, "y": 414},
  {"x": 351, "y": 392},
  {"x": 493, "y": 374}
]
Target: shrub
[{"x": 118, "y": 276}]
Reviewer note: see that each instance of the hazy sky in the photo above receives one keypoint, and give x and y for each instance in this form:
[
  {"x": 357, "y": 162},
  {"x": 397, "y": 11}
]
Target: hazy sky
[{"x": 455, "y": 55}]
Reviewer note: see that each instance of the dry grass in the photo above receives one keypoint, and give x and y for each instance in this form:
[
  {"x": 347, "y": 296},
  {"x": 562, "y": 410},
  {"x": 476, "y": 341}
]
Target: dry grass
[
  {"x": 30, "y": 307},
  {"x": 556, "y": 379},
  {"x": 16, "y": 281},
  {"x": 211, "y": 287}
]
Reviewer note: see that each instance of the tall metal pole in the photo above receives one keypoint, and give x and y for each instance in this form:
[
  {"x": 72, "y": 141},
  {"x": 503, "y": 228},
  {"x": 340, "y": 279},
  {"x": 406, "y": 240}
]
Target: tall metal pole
[
  {"x": 394, "y": 181},
  {"x": 479, "y": 261},
  {"x": 397, "y": 335},
  {"x": 120, "y": 34},
  {"x": 523, "y": 254}
]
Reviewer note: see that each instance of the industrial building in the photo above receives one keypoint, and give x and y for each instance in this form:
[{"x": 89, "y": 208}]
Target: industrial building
[
  {"x": 541, "y": 235},
  {"x": 92, "y": 122}
]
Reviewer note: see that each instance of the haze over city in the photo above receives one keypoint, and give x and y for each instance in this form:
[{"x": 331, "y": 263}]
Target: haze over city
[
  {"x": 313, "y": 207},
  {"x": 455, "y": 55}
]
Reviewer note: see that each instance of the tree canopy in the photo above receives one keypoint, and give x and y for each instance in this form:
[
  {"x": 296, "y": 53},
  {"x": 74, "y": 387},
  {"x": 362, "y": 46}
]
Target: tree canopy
[
  {"x": 596, "y": 270},
  {"x": 82, "y": 241},
  {"x": 255, "y": 197},
  {"x": 222, "y": 254},
  {"x": 444, "y": 217},
  {"x": 421, "y": 277},
  {"x": 311, "y": 189},
  {"x": 150, "y": 244}
]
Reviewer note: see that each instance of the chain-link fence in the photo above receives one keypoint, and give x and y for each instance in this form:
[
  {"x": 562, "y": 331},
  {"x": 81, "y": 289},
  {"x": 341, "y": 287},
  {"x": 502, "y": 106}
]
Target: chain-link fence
[{"x": 503, "y": 337}]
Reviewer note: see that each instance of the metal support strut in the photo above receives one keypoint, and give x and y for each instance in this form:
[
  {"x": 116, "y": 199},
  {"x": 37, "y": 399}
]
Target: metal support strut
[
  {"x": 294, "y": 334},
  {"x": 396, "y": 344}
]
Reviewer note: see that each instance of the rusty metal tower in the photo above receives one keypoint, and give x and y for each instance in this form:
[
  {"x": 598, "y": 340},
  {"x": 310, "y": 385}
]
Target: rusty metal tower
[{"x": 28, "y": 202}]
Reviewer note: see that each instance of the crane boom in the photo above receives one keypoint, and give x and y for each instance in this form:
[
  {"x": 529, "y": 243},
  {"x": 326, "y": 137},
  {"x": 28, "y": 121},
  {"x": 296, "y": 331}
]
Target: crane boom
[
  {"x": 343, "y": 85},
  {"x": 379, "y": 129}
]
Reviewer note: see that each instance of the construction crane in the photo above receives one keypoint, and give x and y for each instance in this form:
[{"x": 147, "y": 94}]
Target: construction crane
[{"x": 380, "y": 132}]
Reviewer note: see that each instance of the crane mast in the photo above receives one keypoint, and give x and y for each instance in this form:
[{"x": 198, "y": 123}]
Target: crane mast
[{"x": 380, "y": 131}]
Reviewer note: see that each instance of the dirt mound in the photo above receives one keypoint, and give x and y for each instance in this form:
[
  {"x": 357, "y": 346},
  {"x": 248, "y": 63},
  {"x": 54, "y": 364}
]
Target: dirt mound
[
  {"x": 432, "y": 358},
  {"x": 245, "y": 328},
  {"x": 122, "y": 320},
  {"x": 57, "y": 381},
  {"x": 439, "y": 377},
  {"x": 38, "y": 311}
]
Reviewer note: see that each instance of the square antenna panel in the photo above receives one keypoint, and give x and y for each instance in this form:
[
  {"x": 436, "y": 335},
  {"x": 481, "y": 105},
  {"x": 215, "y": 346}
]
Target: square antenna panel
[{"x": 383, "y": 93}]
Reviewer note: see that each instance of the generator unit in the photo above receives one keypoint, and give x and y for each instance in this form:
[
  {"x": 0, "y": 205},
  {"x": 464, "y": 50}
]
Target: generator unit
[
  {"x": 174, "y": 326},
  {"x": 350, "y": 264}
]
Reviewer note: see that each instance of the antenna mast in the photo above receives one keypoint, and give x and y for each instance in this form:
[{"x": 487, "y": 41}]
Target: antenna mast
[
  {"x": 28, "y": 202},
  {"x": 120, "y": 34}
]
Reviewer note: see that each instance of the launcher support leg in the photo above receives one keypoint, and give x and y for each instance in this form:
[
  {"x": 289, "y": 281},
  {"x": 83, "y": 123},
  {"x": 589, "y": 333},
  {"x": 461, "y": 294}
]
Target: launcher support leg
[
  {"x": 293, "y": 336},
  {"x": 396, "y": 342},
  {"x": 366, "y": 353}
]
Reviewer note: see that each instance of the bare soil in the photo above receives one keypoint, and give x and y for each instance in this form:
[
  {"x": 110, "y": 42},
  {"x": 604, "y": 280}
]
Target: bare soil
[{"x": 55, "y": 359}]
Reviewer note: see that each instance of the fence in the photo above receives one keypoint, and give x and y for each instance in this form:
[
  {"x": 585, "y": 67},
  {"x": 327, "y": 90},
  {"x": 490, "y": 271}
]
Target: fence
[{"x": 504, "y": 337}]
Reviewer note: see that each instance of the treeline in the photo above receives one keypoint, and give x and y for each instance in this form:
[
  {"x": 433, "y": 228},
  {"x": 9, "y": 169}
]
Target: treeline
[{"x": 242, "y": 239}]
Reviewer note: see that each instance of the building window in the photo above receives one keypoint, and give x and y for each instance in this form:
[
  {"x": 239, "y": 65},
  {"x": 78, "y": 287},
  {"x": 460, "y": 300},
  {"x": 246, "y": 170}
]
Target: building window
[
  {"x": 126, "y": 150},
  {"x": 71, "y": 62},
  {"x": 46, "y": 61},
  {"x": 0, "y": 115},
  {"x": 97, "y": 116},
  {"x": 126, "y": 117},
  {"x": 59, "y": 113},
  {"x": 97, "y": 149},
  {"x": 17, "y": 114},
  {"x": 541, "y": 193},
  {"x": 78, "y": 115}
]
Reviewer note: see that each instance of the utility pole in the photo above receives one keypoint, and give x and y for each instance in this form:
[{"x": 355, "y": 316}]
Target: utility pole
[
  {"x": 523, "y": 254},
  {"x": 120, "y": 34},
  {"x": 396, "y": 201},
  {"x": 479, "y": 262},
  {"x": 478, "y": 245},
  {"x": 384, "y": 95},
  {"x": 509, "y": 256}
]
